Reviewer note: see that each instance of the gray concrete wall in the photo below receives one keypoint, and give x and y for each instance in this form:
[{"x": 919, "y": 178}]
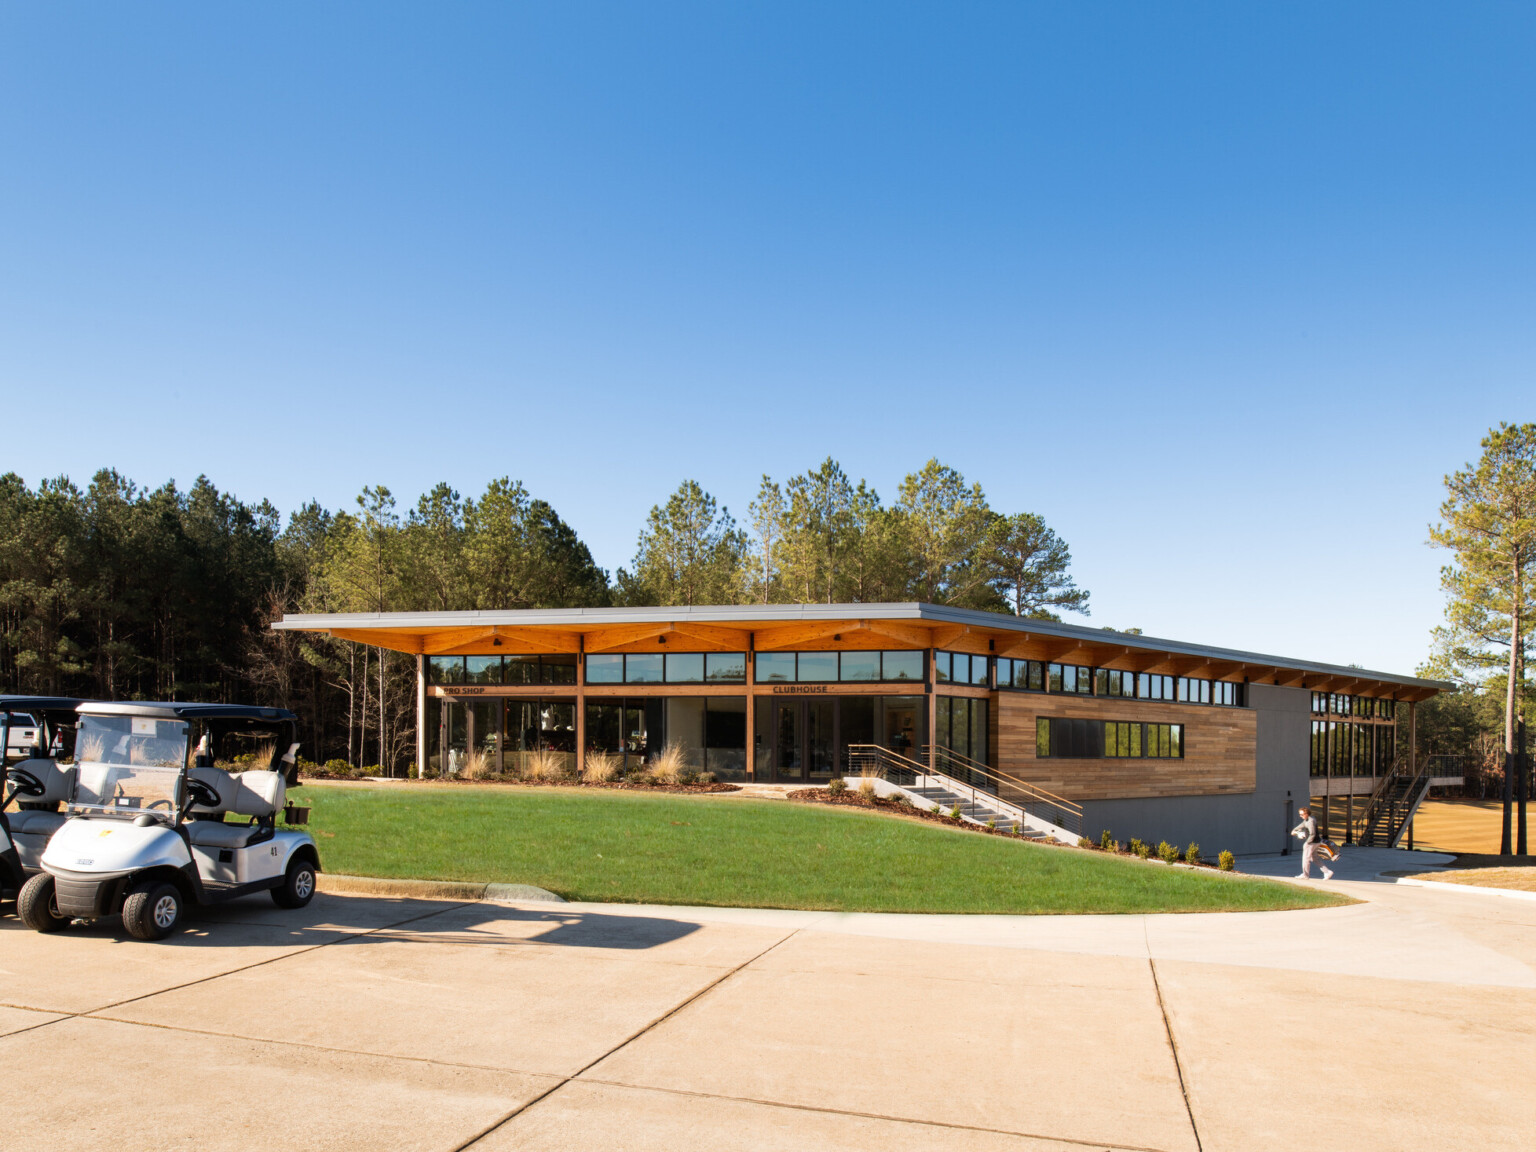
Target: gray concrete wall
[{"x": 1245, "y": 824}]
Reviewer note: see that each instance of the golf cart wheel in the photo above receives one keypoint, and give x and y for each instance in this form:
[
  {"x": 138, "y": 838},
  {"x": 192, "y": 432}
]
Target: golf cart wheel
[
  {"x": 298, "y": 886},
  {"x": 37, "y": 905},
  {"x": 152, "y": 910}
]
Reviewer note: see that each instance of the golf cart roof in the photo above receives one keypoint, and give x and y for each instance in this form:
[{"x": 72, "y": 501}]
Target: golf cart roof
[
  {"x": 59, "y": 709},
  {"x": 178, "y": 710}
]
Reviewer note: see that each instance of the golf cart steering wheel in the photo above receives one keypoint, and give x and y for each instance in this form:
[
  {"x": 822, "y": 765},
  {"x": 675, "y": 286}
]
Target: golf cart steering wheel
[
  {"x": 201, "y": 794},
  {"x": 26, "y": 783}
]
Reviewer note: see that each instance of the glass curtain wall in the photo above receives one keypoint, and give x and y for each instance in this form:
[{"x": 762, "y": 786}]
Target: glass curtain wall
[
  {"x": 709, "y": 732},
  {"x": 807, "y": 739}
]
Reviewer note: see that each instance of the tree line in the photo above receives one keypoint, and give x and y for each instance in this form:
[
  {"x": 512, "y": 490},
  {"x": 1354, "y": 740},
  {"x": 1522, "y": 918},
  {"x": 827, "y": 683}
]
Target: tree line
[{"x": 116, "y": 591}]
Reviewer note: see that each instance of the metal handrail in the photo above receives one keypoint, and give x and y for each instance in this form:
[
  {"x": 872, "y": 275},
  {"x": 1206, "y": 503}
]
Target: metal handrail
[
  {"x": 1006, "y": 778},
  {"x": 959, "y": 787},
  {"x": 1063, "y": 813},
  {"x": 1384, "y": 802}
]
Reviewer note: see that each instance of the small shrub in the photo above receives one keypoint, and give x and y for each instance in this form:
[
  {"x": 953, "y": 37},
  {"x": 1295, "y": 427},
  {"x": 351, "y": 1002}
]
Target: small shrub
[
  {"x": 867, "y": 788},
  {"x": 1166, "y": 852},
  {"x": 1140, "y": 849},
  {"x": 937, "y": 809},
  {"x": 1084, "y": 842},
  {"x": 837, "y": 786},
  {"x": 641, "y": 776},
  {"x": 688, "y": 775},
  {"x": 705, "y": 778},
  {"x": 601, "y": 768},
  {"x": 338, "y": 768},
  {"x": 991, "y": 825},
  {"x": 900, "y": 799},
  {"x": 954, "y": 813},
  {"x": 546, "y": 767},
  {"x": 670, "y": 764},
  {"x": 1226, "y": 861},
  {"x": 1106, "y": 843},
  {"x": 1192, "y": 854}
]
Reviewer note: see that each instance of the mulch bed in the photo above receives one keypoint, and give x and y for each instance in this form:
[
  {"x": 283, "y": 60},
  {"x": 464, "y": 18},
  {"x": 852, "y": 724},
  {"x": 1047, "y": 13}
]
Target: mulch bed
[
  {"x": 618, "y": 785},
  {"x": 853, "y": 798}
]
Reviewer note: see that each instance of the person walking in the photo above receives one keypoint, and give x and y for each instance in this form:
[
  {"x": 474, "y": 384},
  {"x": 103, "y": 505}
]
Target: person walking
[{"x": 1312, "y": 844}]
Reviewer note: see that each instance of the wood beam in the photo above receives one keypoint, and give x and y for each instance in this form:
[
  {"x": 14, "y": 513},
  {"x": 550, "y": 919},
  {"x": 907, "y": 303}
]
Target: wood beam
[
  {"x": 799, "y": 635},
  {"x": 907, "y": 635},
  {"x": 394, "y": 641}
]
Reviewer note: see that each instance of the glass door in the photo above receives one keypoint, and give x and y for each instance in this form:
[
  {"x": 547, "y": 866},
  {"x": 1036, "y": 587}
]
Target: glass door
[
  {"x": 788, "y": 735},
  {"x": 901, "y": 729},
  {"x": 821, "y": 737}
]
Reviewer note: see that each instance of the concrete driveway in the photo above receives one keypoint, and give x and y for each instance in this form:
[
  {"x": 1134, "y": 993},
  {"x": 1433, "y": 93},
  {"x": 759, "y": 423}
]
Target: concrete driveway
[{"x": 1403, "y": 1023}]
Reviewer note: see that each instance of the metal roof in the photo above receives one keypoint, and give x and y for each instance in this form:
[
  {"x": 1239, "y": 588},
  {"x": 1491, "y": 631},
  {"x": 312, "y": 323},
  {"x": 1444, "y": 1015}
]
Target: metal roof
[
  {"x": 178, "y": 710},
  {"x": 742, "y": 615},
  {"x": 44, "y": 704}
]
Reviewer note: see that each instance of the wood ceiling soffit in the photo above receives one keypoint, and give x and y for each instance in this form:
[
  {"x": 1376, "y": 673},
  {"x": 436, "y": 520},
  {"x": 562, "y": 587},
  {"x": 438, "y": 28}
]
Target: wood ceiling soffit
[
  {"x": 605, "y": 639},
  {"x": 911, "y": 635},
  {"x": 394, "y": 641},
  {"x": 1290, "y": 678},
  {"x": 1025, "y": 647},
  {"x": 946, "y": 634},
  {"x": 726, "y": 639},
  {"x": 797, "y": 635}
]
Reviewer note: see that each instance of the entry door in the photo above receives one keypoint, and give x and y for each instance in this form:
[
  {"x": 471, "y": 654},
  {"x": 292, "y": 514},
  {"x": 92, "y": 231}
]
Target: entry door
[
  {"x": 805, "y": 739},
  {"x": 901, "y": 730},
  {"x": 788, "y": 740}
]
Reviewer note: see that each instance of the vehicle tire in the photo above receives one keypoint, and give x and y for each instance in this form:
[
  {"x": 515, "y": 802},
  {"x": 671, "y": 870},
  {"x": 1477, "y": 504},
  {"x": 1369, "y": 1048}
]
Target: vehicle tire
[
  {"x": 152, "y": 910},
  {"x": 37, "y": 906},
  {"x": 298, "y": 886}
]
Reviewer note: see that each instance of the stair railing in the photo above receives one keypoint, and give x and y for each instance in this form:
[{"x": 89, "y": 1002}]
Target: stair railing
[
  {"x": 1393, "y": 801},
  {"x": 872, "y": 759},
  {"x": 1036, "y": 801}
]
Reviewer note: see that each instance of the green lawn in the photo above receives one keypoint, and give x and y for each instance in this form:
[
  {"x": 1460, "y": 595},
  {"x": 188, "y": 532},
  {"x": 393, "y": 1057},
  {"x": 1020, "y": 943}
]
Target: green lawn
[{"x": 678, "y": 849}]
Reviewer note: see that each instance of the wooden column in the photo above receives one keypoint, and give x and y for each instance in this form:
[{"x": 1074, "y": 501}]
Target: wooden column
[
  {"x": 421, "y": 716},
  {"x": 1413, "y": 752},
  {"x": 931, "y": 684},
  {"x": 751, "y": 713},
  {"x": 581, "y": 707}
]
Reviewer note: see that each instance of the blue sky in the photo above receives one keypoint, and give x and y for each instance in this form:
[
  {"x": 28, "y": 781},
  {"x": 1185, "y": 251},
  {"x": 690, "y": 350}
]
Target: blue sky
[{"x": 1221, "y": 290}]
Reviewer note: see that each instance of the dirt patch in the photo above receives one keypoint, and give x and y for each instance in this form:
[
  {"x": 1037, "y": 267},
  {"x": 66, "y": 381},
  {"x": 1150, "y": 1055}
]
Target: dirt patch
[
  {"x": 1521, "y": 879},
  {"x": 494, "y": 782},
  {"x": 1491, "y": 860}
]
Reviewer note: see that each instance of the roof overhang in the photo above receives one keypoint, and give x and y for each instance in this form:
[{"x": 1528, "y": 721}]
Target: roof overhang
[{"x": 782, "y": 627}]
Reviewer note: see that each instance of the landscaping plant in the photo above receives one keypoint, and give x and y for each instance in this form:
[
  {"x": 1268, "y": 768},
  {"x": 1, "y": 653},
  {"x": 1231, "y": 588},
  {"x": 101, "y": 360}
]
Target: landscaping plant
[
  {"x": 1226, "y": 861},
  {"x": 1140, "y": 849},
  {"x": 601, "y": 768},
  {"x": 1192, "y": 854},
  {"x": 1167, "y": 853},
  {"x": 1105, "y": 842},
  {"x": 837, "y": 786}
]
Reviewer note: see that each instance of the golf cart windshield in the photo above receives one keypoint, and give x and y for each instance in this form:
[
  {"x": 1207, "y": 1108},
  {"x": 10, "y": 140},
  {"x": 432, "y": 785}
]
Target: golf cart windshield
[{"x": 129, "y": 762}]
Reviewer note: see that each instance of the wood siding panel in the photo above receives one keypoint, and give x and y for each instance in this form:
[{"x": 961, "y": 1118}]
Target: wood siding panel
[{"x": 1220, "y": 749}]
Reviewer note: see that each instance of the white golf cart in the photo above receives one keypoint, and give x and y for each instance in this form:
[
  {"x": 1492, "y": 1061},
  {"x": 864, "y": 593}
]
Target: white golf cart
[
  {"x": 40, "y": 729},
  {"x": 148, "y": 831}
]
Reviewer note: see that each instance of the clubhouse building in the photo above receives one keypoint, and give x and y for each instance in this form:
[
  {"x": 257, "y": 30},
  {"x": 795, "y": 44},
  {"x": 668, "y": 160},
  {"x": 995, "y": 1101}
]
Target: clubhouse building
[{"x": 1154, "y": 739}]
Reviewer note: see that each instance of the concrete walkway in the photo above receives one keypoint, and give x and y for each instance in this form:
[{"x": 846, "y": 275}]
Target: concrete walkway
[{"x": 410, "y": 1024}]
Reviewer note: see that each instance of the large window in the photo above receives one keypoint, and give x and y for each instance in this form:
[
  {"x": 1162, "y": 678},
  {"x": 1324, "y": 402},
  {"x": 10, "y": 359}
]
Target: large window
[
  {"x": 960, "y": 668},
  {"x": 832, "y": 667},
  {"x": 546, "y": 669},
  {"x": 962, "y": 727},
  {"x": 1071, "y": 738},
  {"x": 1072, "y": 678},
  {"x": 668, "y": 668},
  {"x": 1025, "y": 675}
]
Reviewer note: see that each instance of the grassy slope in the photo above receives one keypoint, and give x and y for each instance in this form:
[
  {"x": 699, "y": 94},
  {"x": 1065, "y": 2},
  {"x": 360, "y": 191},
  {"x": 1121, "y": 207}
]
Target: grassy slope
[{"x": 661, "y": 849}]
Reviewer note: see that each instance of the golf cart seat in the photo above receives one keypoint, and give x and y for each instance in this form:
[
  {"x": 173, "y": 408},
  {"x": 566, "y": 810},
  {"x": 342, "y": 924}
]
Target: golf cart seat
[
  {"x": 258, "y": 794},
  {"x": 39, "y": 784}
]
